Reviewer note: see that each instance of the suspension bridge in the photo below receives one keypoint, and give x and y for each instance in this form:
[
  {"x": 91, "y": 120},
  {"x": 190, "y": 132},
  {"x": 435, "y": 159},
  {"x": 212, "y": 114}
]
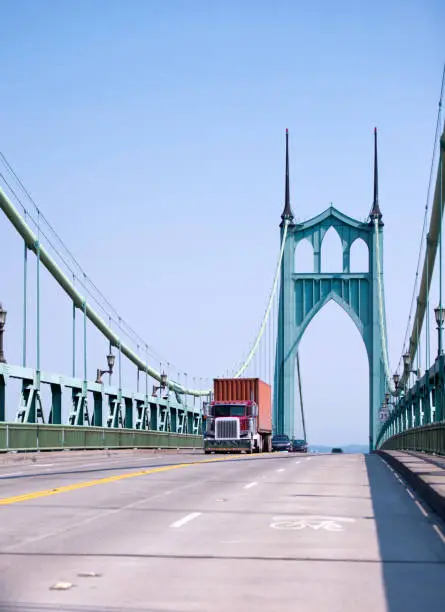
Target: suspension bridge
[
  {"x": 113, "y": 419},
  {"x": 84, "y": 411}
]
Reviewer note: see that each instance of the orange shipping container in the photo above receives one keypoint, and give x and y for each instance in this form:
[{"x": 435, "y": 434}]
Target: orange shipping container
[{"x": 246, "y": 390}]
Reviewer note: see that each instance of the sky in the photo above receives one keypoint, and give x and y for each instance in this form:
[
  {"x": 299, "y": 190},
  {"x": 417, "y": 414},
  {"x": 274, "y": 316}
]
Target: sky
[{"x": 151, "y": 135}]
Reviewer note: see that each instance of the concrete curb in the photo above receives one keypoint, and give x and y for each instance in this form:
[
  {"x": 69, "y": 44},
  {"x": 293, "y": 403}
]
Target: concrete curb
[{"x": 428, "y": 493}]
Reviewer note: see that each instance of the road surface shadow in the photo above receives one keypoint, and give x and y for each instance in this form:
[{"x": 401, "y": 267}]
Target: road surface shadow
[{"x": 404, "y": 535}]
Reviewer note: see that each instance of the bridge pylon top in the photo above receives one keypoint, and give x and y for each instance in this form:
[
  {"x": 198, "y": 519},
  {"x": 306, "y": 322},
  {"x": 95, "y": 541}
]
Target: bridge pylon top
[{"x": 287, "y": 214}]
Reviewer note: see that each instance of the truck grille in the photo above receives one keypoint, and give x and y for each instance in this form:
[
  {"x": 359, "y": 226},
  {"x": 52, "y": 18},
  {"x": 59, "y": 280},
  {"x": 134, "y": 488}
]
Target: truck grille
[{"x": 227, "y": 429}]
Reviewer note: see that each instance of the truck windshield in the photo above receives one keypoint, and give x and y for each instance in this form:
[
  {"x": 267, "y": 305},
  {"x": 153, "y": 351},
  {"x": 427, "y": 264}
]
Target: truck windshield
[{"x": 226, "y": 411}]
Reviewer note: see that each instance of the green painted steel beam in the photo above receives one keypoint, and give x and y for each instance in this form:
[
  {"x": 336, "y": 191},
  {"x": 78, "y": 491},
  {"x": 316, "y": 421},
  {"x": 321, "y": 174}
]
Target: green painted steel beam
[
  {"x": 418, "y": 408},
  {"x": 56, "y": 382},
  {"x": 303, "y": 295},
  {"x": 430, "y": 256},
  {"x": 79, "y": 300}
]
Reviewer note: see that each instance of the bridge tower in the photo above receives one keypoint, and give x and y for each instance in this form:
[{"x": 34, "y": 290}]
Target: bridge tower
[{"x": 303, "y": 295}]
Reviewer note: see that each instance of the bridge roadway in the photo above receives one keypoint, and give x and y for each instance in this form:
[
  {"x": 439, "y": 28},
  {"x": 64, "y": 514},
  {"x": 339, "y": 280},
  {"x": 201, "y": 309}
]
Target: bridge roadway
[{"x": 334, "y": 533}]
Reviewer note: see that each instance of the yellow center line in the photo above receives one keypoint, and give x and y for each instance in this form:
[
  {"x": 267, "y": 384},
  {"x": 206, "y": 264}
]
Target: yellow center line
[{"x": 6, "y": 501}]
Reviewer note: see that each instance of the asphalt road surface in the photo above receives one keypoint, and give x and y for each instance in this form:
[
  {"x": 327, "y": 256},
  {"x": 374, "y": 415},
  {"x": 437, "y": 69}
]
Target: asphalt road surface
[{"x": 188, "y": 532}]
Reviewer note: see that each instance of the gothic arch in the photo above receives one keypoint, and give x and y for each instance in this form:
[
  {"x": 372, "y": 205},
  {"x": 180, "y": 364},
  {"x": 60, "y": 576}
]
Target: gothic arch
[{"x": 303, "y": 295}]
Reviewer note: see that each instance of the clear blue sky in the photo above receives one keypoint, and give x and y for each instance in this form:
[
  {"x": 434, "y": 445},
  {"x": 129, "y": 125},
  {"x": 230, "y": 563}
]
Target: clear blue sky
[{"x": 152, "y": 135}]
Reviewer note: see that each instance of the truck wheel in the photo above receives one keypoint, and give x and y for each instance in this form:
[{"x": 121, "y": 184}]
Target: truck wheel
[{"x": 207, "y": 452}]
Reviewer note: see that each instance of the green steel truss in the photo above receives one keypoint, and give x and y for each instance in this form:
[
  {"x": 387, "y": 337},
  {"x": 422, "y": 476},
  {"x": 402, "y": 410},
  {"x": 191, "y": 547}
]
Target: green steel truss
[
  {"x": 97, "y": 405},
  {"x": 410, "y": 421}
]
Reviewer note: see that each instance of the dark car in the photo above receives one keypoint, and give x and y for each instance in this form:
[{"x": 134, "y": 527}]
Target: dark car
[
  {"x": 298, "y": 446},
  {"x": 336, "y": 450},
  {"x": 281, "y": 442}
]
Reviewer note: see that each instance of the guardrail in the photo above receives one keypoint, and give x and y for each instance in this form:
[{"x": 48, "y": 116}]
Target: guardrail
[
  {"x": 33, "y": 437},
  {"x": 427, "y": 438}
]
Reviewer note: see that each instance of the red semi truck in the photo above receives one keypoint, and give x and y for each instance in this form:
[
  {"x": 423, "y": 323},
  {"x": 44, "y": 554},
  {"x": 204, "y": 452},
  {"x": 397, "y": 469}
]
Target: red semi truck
[{"x": 240, "y": 416}]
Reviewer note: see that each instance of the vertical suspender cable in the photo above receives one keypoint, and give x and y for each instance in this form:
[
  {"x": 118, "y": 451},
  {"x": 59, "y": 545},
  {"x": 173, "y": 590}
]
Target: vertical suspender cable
[
  {"x": 427, "y": 323},
  {"x": 74, "y": 335},
  {"x": 25, "y": 300},
  {"x": 84, "y": 340},
  {"x": 38, "y": 306},
  {"x": 269, "y": 306},
  {"x": 300, "y": 391},
  {"x": 440, "y": 237}
]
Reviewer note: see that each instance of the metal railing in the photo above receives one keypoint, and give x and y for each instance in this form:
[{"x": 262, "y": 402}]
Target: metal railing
[
  {"x": 428, "y": 439},
  {"x": 34, "y": 437}
]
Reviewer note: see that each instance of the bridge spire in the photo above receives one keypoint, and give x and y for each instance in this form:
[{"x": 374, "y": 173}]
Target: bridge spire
[
  {"x": 376, "y": 213},
  {"x": 287, "y": 212}
]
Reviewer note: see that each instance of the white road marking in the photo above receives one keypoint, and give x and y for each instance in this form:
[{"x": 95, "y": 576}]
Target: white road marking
[
  {"x": 61, "y": 586},
  {"x": 39, "y": 465},
  {"x": 12, "y": 474},
  {"x": 421, "y": 508},
  {"x": 185, "y": 519},
  {"x": 439, "y": 533},
  {"x": 410, "y": 493},
  {"x": 280, "y": 470},
  {"x": 297, "y": 462},
  {"x": 91, "y": 519},
  {"x": 296, "y": 523},
  {"x": 250, "y": 485}
]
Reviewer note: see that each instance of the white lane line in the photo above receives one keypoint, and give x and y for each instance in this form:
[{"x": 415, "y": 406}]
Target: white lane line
[
  {"x": 421, "y": 508},
  {"x": 39, "y": 465},
  {"x": 92, "y": 519},
  {"x": 281, "y": 470},
  {"x": 185, "y": 519},
  {"x": 439, "y": 533},
  {"x": 11, "y": 474},
  {"x": 250, "y": 485},
  {"x": 410, "y": 493},
  {"x": 297, "y": 462}
]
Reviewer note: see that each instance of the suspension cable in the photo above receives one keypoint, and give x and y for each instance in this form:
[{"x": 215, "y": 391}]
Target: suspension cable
[
  {"x": 300, "y": 391},
  {"x": 269, "y": 306},
  {"x": 425, "y": 221},
  {"x": 82, "y": 278}
]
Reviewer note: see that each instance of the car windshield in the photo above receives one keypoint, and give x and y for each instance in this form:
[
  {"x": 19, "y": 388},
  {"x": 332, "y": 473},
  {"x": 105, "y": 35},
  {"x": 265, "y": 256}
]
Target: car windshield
[
  {"x": 281, "y": 438},
  {"x": 299, "y": 441}
]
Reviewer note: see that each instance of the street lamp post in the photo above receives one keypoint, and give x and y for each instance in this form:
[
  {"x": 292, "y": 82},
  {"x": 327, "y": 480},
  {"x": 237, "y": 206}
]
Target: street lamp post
[
  {"x": 406, "y": 362},
  {"x": 162, "y": 384},
  {"x": 396, "y": 379},
  {"x": 3, "y": 313},
  {"x": 439, "y": 314},
  {"x": 110, "y": 360},
  {"x": 406, "y": 368}
]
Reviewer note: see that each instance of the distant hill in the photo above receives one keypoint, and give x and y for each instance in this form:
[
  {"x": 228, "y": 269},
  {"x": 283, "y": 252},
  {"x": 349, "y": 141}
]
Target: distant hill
[{"x": 347, "y": 448}]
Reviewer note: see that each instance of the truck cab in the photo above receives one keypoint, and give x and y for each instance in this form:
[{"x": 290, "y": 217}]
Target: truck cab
[{"x": 231, "y": 421}]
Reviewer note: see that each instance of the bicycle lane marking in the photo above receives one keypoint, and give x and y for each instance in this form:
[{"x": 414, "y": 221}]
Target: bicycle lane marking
[{"x": 314, "y": 522}]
